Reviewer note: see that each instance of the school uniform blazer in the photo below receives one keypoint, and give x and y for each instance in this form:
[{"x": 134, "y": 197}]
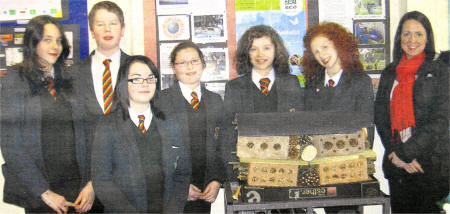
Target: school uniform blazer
[
  {"x": 85, "y": 106},
  {"x": 117, "y": 172},
  {"x": 354, "y": 92},
  {"x": 24, "y": 168},
  {"x": 430, "y": 102},
  {"x": 171, "y": 103},
  {"x": 239, "y": 94}
]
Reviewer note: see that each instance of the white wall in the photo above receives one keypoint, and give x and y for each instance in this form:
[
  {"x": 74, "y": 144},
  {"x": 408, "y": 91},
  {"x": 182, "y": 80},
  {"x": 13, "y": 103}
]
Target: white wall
[{"x": 436, "y": 11}]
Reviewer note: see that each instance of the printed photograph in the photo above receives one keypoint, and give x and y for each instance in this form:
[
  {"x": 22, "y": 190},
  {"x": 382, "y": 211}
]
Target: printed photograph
[
  {"x": 373, "y": 59},
  {"x": 208, "y": 28},
  {"x": 216, "y": 66},
  {"x": 368, "y": 7},
  {"x": 369, "y": 32}
]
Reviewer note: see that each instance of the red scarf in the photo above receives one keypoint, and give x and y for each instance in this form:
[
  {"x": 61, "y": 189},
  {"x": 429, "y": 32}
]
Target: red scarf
[{"x": 402, "y": 109}]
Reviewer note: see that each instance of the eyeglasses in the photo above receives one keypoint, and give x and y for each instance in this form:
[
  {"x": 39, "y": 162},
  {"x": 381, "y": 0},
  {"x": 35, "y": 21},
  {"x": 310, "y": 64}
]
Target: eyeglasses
[
  {"x": 192, "y": 62},
  {"x": 137, "y": 81}
]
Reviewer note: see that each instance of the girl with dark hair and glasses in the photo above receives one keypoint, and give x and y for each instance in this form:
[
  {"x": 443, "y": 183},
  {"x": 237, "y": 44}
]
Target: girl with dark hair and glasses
[
  {"x": 199, "y": 112},
  {"x": 411, "y": 116},
  {"x": 138, "y": 156},
  {"x": 45, "y": 166}
]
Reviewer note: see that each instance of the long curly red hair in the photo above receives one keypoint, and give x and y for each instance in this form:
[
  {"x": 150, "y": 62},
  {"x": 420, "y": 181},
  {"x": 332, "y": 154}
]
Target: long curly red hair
[{"x": 344, "y": 41}]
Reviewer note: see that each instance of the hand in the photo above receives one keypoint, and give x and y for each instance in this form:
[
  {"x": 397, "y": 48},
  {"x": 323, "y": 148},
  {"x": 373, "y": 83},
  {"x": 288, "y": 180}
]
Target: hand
[
  {"x": 414, "y": 167},
  {"x": 194, "y": 193},
  {"x": 211, "y": 191},
  {"x": 85, "y": 199},
  {"x": 57, "y": 202},
  {"x": 396, "y": 160}
]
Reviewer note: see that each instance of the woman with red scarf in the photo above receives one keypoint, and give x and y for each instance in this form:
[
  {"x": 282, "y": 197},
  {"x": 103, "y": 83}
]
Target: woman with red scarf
[{"x": 411, "y": 111}]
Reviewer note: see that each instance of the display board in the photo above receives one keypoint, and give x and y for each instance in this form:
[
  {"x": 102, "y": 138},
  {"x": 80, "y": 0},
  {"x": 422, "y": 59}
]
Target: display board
[
  {"x": 216, "y": 25},
  {"x": 73, "y": 16}
]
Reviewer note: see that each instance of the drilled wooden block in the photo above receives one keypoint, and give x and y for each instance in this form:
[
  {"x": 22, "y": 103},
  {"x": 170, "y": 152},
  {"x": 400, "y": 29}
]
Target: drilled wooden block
[
  {"x": 270, "y": 147},
  {"x": 340, "y": 144},
  {"x": 343, "y": 171},
  {"x": 272, "y": 175}
]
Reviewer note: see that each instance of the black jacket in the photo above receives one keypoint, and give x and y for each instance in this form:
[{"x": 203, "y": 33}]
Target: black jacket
[
  {"x": 169, "y": 103},
  {"x": 85, "y": 107},
  {"x": 430, "y": 100},
  {"x": 239, "y": 99},
  {"x": 24, "y": 169},
  {"x": 353, "y": 93},
  {"x": 117, "y": 172}
]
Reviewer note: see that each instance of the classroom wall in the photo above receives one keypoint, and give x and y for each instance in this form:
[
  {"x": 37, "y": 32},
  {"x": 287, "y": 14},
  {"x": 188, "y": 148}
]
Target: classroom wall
[{"x": 437, "y": 12}]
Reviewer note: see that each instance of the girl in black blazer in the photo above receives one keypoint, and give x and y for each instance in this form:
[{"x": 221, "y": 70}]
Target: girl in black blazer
[
  {"x": 45, "y": 166},
  {"x": 331, "y": 54},
  {"x": 335, "y": 80},
  {"x": 264, "y": 84},
  {"x": 199, "y": 112},
  {"x": 411, "y": 115},
  {"x": 138, "y": 155}
]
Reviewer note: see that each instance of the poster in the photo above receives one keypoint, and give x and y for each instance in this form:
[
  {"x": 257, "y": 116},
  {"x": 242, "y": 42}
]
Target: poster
[
  {"x": 337, "y": 11},
  {"x": 26, "y": 9},
  {"x": 172, "y": 7},
  {"x": 288, "y": 18}
]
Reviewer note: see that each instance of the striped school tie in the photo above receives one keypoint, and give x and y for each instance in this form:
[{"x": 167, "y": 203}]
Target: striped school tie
[
  {"x": 107, "y": 88},
  {"x": 141, "y": 126},
  {"x": 195, "y": 102},
  {"x": 264, "y": 83},
  {"x": 331, "y": 82},
  {"x": 51, "y": 87}
]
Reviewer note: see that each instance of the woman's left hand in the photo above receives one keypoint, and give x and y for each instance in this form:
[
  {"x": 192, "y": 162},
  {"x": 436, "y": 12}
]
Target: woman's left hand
[
  {"x": 413, "y": 167},
  {"x": 211, "y": 191},
  {"x": 85, "y": 199}
]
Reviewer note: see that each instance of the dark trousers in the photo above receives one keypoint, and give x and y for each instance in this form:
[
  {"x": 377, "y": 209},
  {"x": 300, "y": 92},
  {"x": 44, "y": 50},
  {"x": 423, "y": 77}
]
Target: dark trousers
[
  {"x": 415, "y": 194},
  {"x": 198, "y": 206},
  {"x": 45, "y": 209},
  {"x": 97, "y": 207}
]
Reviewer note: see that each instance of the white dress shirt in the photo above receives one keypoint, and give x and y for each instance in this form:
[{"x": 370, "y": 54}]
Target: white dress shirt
[
  {"x": 256, "y": 78},
  {"x": 147, "y": 114},
  {"x": 335, "y": 78},
  {"x": 186, "y": 91}
]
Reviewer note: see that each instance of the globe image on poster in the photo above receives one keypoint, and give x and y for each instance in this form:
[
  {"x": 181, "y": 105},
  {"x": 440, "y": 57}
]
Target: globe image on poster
[{"x": 173, "y": 27}]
